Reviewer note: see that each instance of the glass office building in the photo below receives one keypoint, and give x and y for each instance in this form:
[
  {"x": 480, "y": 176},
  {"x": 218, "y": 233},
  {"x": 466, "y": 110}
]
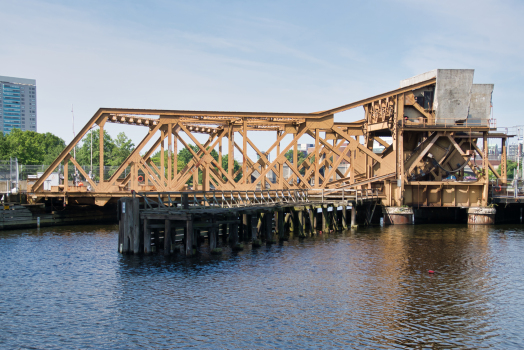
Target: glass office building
[{"x": 17, "y": 104}]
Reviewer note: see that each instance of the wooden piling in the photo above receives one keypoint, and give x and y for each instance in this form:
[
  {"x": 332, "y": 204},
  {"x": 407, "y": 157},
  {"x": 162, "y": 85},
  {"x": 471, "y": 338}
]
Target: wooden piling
[
  {"x": 261, "y": 225},
  {"x": 246, "y": 227},
  {"x": 312, "y": 221},
  {"x": 233, "y": 232},
  {"x": 301, "y": 223},
  {"x": 344, "y": 216},
  {"x": 254, "y": 228},
  {"x": 353, "y": 216},
  {"x": 269, "y": 227},
  {"x": 279, "y": 223},
  {"x": 147, "y": 237},
  {"x": 334, "y": 221},
  {"x": 188, "y": 235},
  {"x": 223, "y": 231},
  {"x": 212, "y": 234},
  {"x": 325, "y": 219},
  {"x": 167, "y": 237}
]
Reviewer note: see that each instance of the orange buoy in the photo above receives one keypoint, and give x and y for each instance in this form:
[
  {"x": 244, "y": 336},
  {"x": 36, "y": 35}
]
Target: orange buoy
[
  {"x": 140, "y": 178},
  {"x": 431, "y": 272},
  {"x": 80, "y": 184}
]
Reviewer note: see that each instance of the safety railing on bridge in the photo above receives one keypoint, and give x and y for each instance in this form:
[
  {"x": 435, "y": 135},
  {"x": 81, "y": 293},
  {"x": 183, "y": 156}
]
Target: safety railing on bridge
[
  {"x": 235, "y": 199},
  {"x": 221, "y": 199},
  {"x": 357, "y": 195},
  {"x": 514, "y": 189}
]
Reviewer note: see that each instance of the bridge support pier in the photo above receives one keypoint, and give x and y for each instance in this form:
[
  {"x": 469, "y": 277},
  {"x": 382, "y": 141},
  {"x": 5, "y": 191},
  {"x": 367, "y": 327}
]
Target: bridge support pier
[
  {"x": 167, "y": 237},
  {"x": 325, "y": 219},
  {"x": 223, "y": 231},
  {"x": 269, "y": 229},
  {"x": 129, "y": 235},
  {"x": 481, "y": 216},
  {"x": 312, "y": 220},
  {"x": 301, "y": 223},
  {"x": 188, "y": 236},
  {"x": 344, "y": 216},
  {"x": 279, "y": 224},
  {"x": 147, "y": 237},
  {"x": 233, "y": 232},
  {"x": 335, "y": 219},
  {"x": 398, "y": 215},
  {"x": 212, "y": 234},
  {"x": 354, "y": 216},
  {"x": 246, "y": 227}
]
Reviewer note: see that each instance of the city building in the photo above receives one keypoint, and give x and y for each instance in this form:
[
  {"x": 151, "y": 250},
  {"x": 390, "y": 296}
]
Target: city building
[
  {"x": 513, "y": 151},
  {"x": 17, "y": 104}
]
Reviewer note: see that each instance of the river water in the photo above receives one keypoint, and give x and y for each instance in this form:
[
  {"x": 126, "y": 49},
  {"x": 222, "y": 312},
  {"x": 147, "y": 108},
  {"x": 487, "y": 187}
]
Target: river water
[{"x": 68, "y": 288}]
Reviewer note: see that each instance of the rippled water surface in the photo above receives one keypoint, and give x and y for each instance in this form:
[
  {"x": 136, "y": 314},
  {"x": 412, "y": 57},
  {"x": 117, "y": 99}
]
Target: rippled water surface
[{"x": 69, "y": 288}]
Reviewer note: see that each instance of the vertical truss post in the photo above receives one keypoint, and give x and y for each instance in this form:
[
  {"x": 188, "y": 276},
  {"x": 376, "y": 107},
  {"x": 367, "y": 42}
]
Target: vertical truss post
[
  {"x": 244, "y": 153},
  {"x": 220, "y": 150},
  {"x": 280, "y": 166},
  {"x": 169, "y": 154},
  {"x": 295, "y": 159},
  {"x": 175, "y": 157},
  {"x": 400, "y": 150},
  {"x": 231, "y": 151},
  {"x": 485, "y": 168},
  {"x": 101, "y": 150},
  {"x": 205, "y": 177},
  {"x": 66, "y": 174},
  {"x": 503, "y": 163},
  {"x": 162, "y": 161},
  {"x": 317, "y": 149}
]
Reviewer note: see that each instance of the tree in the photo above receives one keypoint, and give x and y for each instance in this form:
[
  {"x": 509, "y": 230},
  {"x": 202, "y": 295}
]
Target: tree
[
  {"x": 30, "y": 147},
  {"x": 53, "y": 146},
  {"x": 123, "y": 146},
  {"x": 83, "y": 153}
]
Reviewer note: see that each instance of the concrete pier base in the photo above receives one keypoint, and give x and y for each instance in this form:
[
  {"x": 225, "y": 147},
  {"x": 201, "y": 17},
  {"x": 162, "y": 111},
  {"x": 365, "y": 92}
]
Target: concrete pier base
[
  {"x": 481, "y": 216},
  {"x": 398, "y": 215}
]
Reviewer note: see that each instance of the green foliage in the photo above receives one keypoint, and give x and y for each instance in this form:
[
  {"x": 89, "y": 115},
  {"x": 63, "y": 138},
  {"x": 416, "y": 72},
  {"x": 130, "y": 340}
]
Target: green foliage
[
  {"x": 510, "y": 168},
  {"x": 300, "y": 156},
  {"x": 115, "y": 151},
  {"x": 30, "y": 147}
]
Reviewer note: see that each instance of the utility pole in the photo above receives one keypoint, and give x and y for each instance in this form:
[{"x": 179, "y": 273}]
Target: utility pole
[{"x": 74, "y": 148}]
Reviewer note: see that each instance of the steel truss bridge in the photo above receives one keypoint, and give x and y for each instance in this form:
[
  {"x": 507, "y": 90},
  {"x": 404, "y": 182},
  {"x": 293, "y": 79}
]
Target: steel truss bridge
[{"x": 419, "y": 151}]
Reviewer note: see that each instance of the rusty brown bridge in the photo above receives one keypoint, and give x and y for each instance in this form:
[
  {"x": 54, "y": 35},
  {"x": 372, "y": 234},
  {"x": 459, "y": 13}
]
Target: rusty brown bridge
[{"x": 417, "y": 149}]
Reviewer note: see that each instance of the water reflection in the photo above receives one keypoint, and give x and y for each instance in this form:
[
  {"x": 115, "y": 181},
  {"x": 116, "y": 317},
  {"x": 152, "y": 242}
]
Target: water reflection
[{"x": 366, "y": 288}]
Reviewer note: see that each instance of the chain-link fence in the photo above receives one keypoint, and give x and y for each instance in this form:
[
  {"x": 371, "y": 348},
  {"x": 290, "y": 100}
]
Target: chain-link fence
[{"x": 15, "y": 177}]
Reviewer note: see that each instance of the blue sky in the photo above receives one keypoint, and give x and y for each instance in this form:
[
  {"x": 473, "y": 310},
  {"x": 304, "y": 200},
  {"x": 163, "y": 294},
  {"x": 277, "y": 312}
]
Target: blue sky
[{"x": 294, "y": 56}]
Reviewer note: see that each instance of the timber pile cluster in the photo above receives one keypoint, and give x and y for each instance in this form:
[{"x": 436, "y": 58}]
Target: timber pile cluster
[{"x": 183, "y": 230}]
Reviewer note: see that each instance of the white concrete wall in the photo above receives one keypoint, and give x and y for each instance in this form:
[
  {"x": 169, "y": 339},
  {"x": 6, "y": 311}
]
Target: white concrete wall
[
  {"x": 480, "y": 104},
  {"x": 453, "y": 94}
]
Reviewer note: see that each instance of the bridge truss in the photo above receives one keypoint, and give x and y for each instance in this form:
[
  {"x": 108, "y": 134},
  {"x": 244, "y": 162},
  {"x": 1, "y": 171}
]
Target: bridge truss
[{"x": 410, "y": 170}]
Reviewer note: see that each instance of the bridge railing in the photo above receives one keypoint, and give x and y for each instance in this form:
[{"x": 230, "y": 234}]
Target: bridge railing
[
  {"x": 514, "y": 190},
  {"x": 235, "y": 199},
  {"x": 345, "y": 194},
  {"x": 221, "y": 199}
]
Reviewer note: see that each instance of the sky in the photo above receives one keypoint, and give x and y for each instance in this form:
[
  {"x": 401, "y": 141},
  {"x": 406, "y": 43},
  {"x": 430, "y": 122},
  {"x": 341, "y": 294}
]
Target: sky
[{"x": 269, "y": 56}]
